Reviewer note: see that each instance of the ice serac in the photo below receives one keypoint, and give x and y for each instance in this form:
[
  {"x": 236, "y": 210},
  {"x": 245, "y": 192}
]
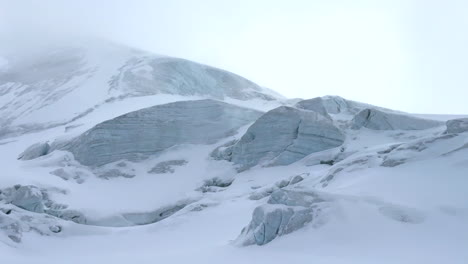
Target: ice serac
[
  {"x": 286, "y": 211},
  {"x": 29, "y": 198},
  {"x": 314, "y": 104},
  {"x": 152, "y": 75},
  {"x": 282, "y": 136},
  {"x": 35, "y": 151},
  {"x": 337, "y": 105},
  {"x": 379, "y": 120},
  {"x": 36, "y": 200},
  {"x": 145, "y": 132},
  {"x": 459, "y": 125}
]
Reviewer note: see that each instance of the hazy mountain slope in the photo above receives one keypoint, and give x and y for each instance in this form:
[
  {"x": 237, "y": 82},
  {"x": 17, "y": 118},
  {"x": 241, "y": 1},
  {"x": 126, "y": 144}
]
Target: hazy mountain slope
[
  {"x": 60, "y": 85},
  {"x": 377, "y": 196}
]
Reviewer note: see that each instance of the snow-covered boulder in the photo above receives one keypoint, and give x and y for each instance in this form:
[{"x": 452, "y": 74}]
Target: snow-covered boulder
[
  {"x": 459, "y": 125},
  {"x": 145, "y": 132},
  {"x": 379, "y": 120},
  {"x": 282, "y": 136},
  {"x": 285, "y": 212},
  {"x": 35, "y": 151}
]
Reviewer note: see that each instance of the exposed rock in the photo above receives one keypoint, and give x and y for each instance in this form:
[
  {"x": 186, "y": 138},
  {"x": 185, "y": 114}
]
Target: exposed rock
[
  {"x": 285, "y": 212},
  {"x": 379, "y": 120},
  {"x": 145, "y": 132},
  {"x": 457, "y": 125},
  {"x": 282, "y": 136},
  {"x": 327, "y": 162},
  {"x": 35, "y": 151},
  {"x": 167, "y": 166}
]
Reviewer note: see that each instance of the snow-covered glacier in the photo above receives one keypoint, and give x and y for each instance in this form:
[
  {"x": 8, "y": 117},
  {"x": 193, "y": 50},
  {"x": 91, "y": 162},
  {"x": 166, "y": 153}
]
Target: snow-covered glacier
[
  {"x": 114, "y": 155},
  {"x": 63, "y": 84},
  {"x": 148, "y": 131}
]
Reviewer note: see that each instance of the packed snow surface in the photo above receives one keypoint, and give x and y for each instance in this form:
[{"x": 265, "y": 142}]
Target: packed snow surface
[{"x": 114, "y": 155}]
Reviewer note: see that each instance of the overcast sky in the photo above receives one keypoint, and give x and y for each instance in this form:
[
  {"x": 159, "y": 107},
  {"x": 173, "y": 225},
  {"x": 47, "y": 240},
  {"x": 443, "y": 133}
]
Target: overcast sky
[{"x": 407, "y": 55}]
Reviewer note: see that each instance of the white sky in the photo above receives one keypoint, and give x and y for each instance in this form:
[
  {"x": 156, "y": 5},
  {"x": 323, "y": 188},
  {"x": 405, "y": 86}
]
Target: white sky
[{"x": 409, "y": 55}]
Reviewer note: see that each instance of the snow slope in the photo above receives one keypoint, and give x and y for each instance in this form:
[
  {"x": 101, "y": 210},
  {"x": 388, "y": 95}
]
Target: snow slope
[
  {"x": 386, "y": 196},
  {"x": 63, "y": 84}
]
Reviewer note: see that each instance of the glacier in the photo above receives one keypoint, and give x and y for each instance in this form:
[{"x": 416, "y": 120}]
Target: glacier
[{"x": 113, "y": 154}]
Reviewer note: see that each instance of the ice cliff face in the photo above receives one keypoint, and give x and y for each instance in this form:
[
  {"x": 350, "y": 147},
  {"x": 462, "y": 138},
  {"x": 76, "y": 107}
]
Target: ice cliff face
[
  {"x": 146, "y": 75},
  {"x": 459, "y": 125},
  {"x": 285, "y": 212},
  {"x": 148, "y": 131},
  {"x": 282, "y": 136},
  {"x": 378, "y": 120},
  {"x": 335, "y": 105},
  {"x": 118, "y": 138}
]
